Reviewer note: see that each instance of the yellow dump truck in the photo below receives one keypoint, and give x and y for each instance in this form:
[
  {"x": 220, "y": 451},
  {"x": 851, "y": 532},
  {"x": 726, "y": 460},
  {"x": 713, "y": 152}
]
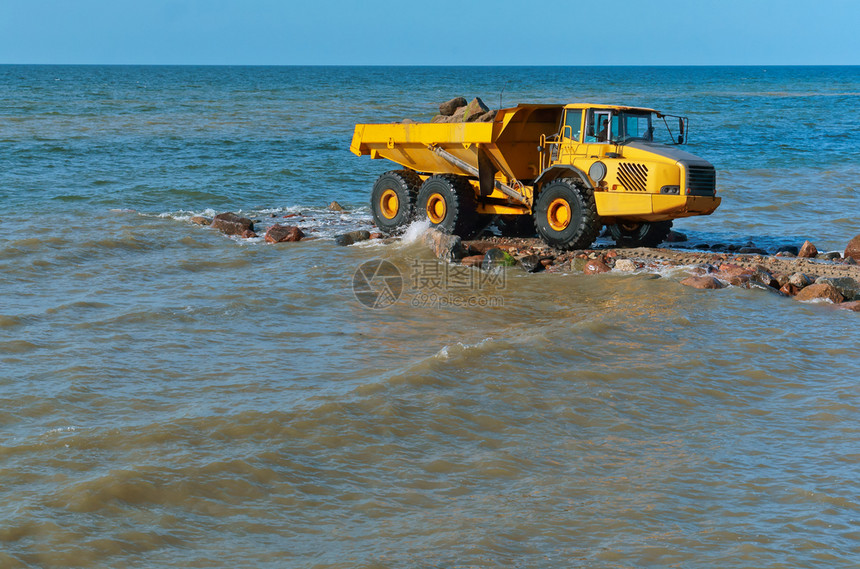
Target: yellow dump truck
[{"x": 563, "y": 171}]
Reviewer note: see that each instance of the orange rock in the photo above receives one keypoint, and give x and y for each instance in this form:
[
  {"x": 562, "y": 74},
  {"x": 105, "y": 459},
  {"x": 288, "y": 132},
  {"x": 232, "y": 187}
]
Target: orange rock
[
  {"x": 594, "y": 267},
  {"x": 853, "y": 305},
  {"x": 807, "y": 250},
  {"x": 820, "y": 291},
  {"x": 789, "y": 289},
  {"x": 853, "y": 249},
  {"x": 703, "y": 282},
  {"x": 472, "y": 260}
]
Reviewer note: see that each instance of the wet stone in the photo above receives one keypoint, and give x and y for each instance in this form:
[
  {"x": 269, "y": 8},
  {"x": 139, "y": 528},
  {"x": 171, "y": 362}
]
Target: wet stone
[
  {"x": 352, "y": 237},
  {"x": 283, "y": 233},
  {"x": 703, "y": 282},
  {"x": 232, "y": 224},
  {"x": 821, "y": 291},
  {"x": 847, "y": 287},
  {"x": 496, "y": 258},
  {"x": 595, "y": 266},
  {"x": 473, "y": 261},
  {"x": 531, "y": 263}
]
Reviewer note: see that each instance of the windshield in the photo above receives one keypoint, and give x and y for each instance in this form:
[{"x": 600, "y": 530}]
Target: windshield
[{"x": 621, "y": 127}]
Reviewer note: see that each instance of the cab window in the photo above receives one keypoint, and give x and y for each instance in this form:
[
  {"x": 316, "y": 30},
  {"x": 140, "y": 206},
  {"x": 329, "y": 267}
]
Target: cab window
[
  {"x": 572, "y": 124},
  {"x": 597, "y": 127}
]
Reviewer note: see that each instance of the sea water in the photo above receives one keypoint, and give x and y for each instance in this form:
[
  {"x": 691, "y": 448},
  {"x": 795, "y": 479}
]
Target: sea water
[{"x": 173, "y": 397}]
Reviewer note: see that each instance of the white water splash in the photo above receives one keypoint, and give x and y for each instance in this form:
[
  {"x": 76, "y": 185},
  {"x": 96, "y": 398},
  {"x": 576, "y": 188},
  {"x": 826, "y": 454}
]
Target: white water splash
[{"x": 415, "y": 230}]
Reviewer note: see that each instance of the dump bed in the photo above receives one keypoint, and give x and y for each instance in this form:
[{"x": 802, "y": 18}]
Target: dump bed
[{"x": 510, "y": 141}]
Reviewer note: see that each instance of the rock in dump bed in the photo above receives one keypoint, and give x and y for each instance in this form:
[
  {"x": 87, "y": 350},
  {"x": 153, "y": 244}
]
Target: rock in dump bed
[{"x": 459, "y": 110}]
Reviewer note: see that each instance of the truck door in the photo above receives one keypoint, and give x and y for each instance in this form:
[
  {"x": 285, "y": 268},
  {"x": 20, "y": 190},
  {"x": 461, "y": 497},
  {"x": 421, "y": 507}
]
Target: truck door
[{"x": 571, "y": 135}]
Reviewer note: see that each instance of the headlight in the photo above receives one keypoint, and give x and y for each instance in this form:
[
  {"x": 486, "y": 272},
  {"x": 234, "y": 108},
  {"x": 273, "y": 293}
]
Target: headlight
[
  {"x": 675, "y": 190},
  {"x": 597, "y": 171}
]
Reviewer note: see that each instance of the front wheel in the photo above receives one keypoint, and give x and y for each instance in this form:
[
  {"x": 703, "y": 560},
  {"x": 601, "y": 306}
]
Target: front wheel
[
  {"x": 565, "y": 215},
  {"x": 635, "y": 234}
]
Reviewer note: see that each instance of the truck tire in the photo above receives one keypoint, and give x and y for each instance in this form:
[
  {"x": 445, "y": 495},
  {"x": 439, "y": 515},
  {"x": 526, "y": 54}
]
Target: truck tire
[
  {"x": 642, "y": 234},
  {"x": 393, "y": 200},
  {"x": 516, "y": 225},
  {"x": 565, "y": 215},
  {"x": 448, "y": 202}
]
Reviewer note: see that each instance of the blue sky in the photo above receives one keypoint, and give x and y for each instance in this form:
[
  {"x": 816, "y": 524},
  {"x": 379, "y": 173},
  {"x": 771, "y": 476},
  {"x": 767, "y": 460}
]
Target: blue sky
[{"x": 438, "y": 32}]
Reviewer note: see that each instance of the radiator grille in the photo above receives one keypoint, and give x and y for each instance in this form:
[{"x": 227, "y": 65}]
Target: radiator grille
[
  {"x": 634, "y": 177},
  {"x": 701, "y": 181}
]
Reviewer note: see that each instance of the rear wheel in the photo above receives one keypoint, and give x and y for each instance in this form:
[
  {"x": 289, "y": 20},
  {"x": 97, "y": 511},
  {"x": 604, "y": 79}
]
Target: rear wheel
[
  {"x": 565, "y": 215},
  {"x": 393, "y": 200},
  {"x": 636, "y": 234},
  {"x": 448, "y": 202}
]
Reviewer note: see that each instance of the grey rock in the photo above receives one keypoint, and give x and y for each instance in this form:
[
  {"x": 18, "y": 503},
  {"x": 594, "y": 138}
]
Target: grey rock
[
  {"x": 444, "y": 246},
  {"x": 788, "y": 249},
  {"x": 476, "y": 108},
  {"x": 496, "y": 258},
  {"x": 345, "y": 239},
  {"x": 846, "y": 286},
  {"x": 800, "y": 280},
  {"x": 449, "y": 107},
  {"x": 531, "y": 263}
]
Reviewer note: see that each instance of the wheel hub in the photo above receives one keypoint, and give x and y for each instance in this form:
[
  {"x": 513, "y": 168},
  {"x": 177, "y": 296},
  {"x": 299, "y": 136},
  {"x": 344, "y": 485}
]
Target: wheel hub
[
  {"x": 558, "y": 214},
  {"x": 389, "y": 204},
  {"x": 436, "y": 208}
]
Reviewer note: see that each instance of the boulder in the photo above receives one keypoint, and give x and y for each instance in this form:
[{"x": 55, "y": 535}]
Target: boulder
[
  {"x": 752, "y": 251},
  {"x": 730, "y": 270},
  {"x": 742, "y": 280},
  {"x": 853, "y": 249},
  {"x": 283, "y": 233},
  {"x": 496, "y": 258},
  {"x": 847, "y": 287},
  {"x": 334, "y": 206},
  {"x": 489, "y": 116},
  {"x": 854, "y": 305},
  {"x": 807, "y": 250},
  {"x": 478, "y": 247},
  {"x": 675, "y": 237},
  {"x": 764, "y": 277},
  {"x": 439, "y": 118},
  {"x": 200, "y": 220},
  {"x": 473, "y": 261},
  {"x": 449, "y": 107},
  {"x": 703, "y": 282},
  {"x": 475, "y": 109},
  {"x": 800, "y": 280},
  {"x": 444, "y": 246},
  {"x": 822, "y": 291},
  {"x": 789, "y": 289},
  {"x": 345, "y": 239},
  {"x": 595, "y": 266},
  {"x": 625, "y": 265},
  {"x": 790, "y": 249},
  {"x": 531, "y": 263},
  {"x": 232, "y": 224}
]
